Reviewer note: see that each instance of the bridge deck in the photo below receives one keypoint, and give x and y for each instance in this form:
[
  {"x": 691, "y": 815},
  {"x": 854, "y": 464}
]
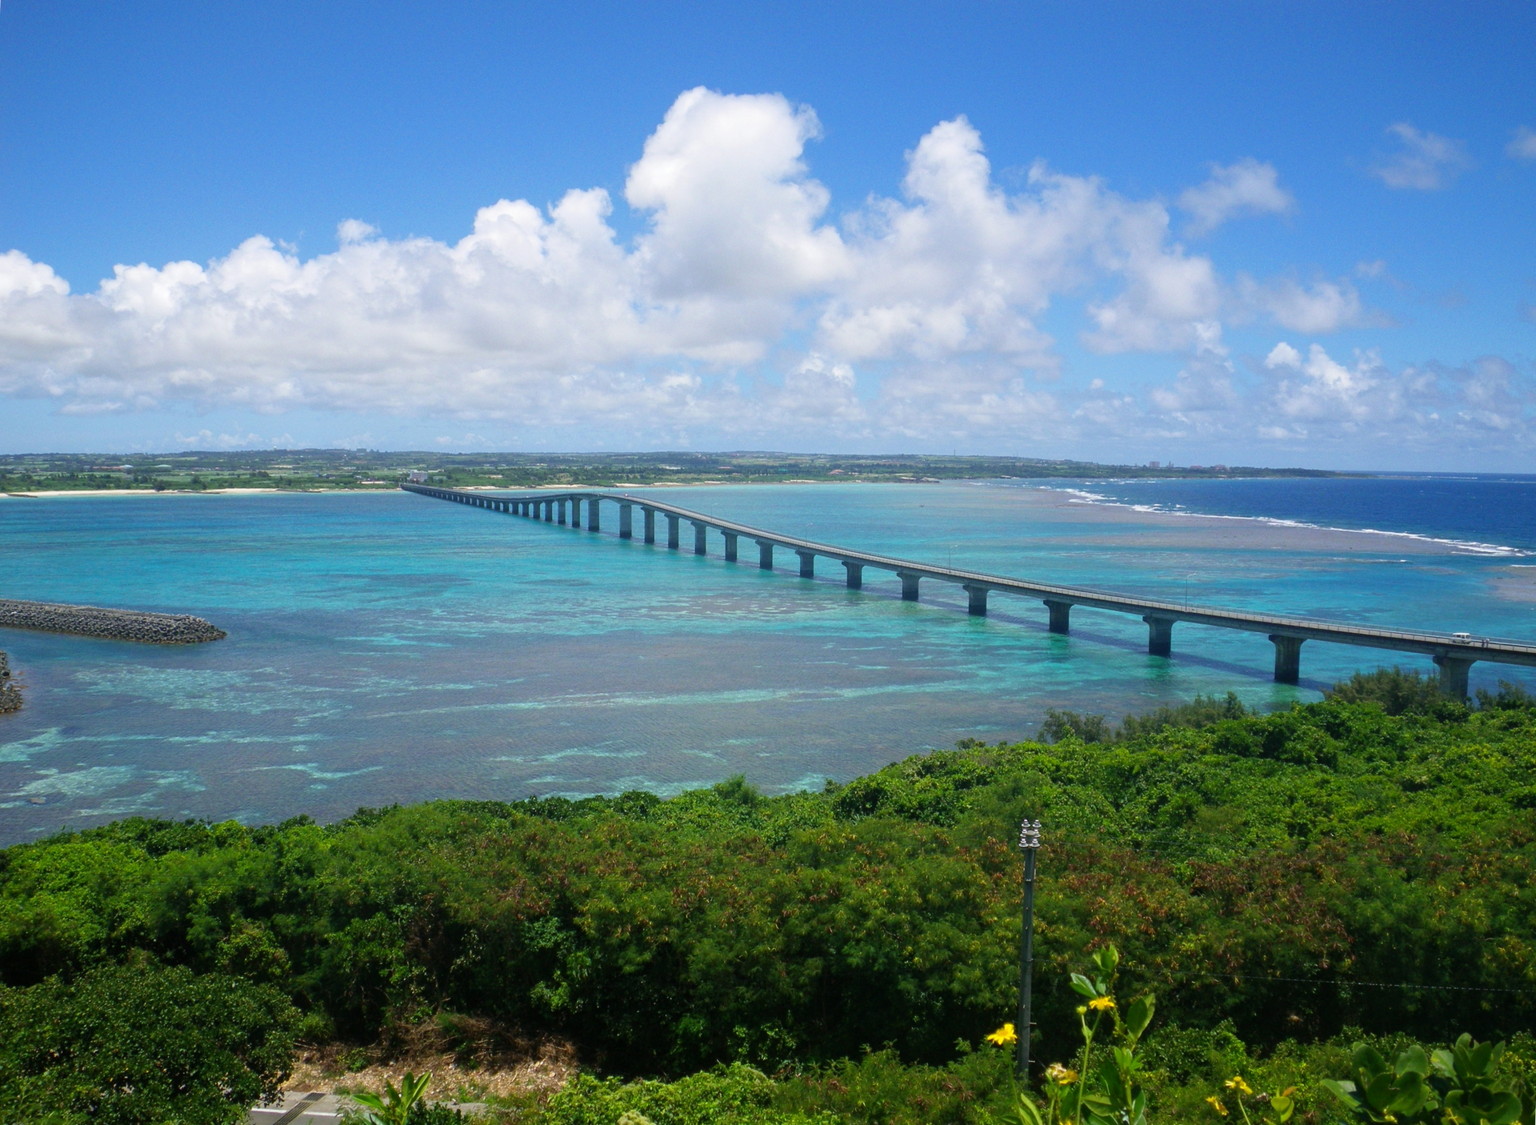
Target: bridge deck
[{"x": 1452, "y": 653}]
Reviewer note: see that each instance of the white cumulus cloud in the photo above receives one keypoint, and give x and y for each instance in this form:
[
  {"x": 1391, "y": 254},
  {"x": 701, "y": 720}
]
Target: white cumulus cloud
[
  {"x": 1248, "y": 187},
  {"x": 1316, "y": 309},
  {"x": 1422, "y": 161},
  {"x": 1522, "y": 146},
  {"x": 746, "y": 309}
]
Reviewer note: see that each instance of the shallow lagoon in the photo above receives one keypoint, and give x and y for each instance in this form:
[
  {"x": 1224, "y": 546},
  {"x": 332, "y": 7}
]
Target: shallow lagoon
[{"x": 387, "y": 647}]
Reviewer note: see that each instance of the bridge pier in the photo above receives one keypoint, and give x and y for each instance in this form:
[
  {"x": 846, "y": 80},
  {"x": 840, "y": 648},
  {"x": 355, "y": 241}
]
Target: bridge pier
[
  {"x": 1453, "y": 674},
  {"x": 1287, "y": 658},
  {"x": 1453, "y": 654},
  {"x": 1159, "y": 635},
  {"x": 1061, "y": 617}
]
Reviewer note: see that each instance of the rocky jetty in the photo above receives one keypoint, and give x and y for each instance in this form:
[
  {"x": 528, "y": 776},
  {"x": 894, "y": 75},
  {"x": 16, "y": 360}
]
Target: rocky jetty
[
  {"x": 10, "y": 698},
  {"x": 108, "y": 624}
]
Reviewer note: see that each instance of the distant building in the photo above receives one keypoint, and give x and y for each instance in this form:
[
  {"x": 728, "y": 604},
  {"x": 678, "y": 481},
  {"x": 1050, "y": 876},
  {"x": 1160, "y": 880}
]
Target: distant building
[
  {"x": 416, "y": 476},
  {"x": 1154, "y": 464}
]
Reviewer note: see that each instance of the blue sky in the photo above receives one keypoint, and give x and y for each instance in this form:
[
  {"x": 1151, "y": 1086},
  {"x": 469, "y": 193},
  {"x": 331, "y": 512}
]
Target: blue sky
[{"x": 1247, "y": 233}]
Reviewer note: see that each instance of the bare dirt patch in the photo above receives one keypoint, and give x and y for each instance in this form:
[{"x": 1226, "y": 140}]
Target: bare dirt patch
[{"x": 468, "y": 1059}]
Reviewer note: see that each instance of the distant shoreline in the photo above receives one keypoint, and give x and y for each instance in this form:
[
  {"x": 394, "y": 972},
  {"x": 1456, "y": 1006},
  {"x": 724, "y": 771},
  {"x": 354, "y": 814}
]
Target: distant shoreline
[{"x": 53, "y": 493}]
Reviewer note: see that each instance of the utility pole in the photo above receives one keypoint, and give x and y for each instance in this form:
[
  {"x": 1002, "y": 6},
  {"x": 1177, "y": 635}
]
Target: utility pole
[{"x": 1029, "y": 844}]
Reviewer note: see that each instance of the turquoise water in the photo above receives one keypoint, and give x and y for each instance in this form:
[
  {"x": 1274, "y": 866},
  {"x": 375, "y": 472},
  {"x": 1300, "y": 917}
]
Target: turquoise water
[{"x": 388, "y": 647}]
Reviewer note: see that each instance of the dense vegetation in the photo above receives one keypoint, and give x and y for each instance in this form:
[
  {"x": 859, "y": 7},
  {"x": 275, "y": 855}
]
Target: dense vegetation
[
  {"x": 371, "y": 469},
  {"x": 1274, "y": 880}
]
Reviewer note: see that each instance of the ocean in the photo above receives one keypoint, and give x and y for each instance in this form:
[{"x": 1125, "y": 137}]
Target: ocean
[{"x": 386, "y": 647}]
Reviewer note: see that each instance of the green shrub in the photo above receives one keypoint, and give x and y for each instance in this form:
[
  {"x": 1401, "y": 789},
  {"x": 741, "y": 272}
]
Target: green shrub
[{"x": 121, "y": 1045}]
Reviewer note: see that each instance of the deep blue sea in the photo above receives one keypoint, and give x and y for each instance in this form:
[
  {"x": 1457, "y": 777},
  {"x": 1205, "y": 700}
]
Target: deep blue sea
[{"x": 390, "y": 648}]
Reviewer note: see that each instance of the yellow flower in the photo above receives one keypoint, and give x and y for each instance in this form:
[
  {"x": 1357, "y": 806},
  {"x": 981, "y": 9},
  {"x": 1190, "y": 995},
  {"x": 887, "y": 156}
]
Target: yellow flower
[
  {"x": 1102, "y": 1003},
  {"x": 1004, "y": 1035},
  {"x": 1061, "y": 1075},
  {"x": 1236, "y": 1083},
  {"x": 1216, "y": 1105}
]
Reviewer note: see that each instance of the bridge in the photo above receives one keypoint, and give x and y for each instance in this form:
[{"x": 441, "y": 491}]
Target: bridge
[{"x": 1452, "y": 653}]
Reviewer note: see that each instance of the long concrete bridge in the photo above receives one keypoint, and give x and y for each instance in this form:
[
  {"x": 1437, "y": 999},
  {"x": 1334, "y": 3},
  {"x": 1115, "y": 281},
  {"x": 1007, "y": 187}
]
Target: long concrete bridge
[{"x": 1453, "y": 654}]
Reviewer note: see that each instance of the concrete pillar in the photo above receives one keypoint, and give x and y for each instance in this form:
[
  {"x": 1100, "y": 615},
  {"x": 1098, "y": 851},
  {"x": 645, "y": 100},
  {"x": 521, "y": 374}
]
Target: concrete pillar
[
  {"x": 730, "y": 545},
  {"x": 592, "y": 524},
  {"x": 1159, "y": 635},
  {"x": 807, "y": 564},
  {"x": 1287, "y": 658},
  {"x": 909, "y": 583},
  {"x": 560, "y": 505},
  {"x": 545, "y": 510},
  {"x": 671, "y": 531},
  {"x": 855, "y": 575},
  {"x": 699, "y": 537},
  {"x": 1453, "y": 675},
  {"x": 1061, "y": 613},
  {"x": 650, "y": 524},
  {"x": 978, "y": 595},
  {"x": 626, "y": 521},
  {"x": 575, "y": 512},
  {"x": 764, "y": 554}
]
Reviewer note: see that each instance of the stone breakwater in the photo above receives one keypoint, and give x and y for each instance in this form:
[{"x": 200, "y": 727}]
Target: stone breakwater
[
  {"x": 108, "y": 624},
  {"x": 10, "y": 698}
]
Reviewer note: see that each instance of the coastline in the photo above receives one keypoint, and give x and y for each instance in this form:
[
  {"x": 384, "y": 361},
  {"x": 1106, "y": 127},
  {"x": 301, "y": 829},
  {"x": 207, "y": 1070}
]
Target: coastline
[
  {"x": 1237, "y": 532},
  {"x": 53, "y": 494}
]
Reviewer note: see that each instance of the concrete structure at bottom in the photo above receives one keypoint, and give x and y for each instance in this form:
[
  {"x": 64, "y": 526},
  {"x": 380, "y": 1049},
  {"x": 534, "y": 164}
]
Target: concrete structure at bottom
[{"x": 317, "y": 1108}]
